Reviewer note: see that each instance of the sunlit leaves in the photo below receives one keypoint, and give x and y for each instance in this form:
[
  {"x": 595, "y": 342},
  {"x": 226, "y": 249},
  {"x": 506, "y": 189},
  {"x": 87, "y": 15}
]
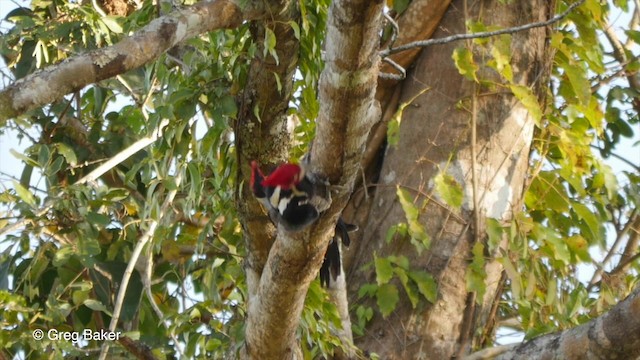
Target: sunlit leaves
[
  {"x": 24, "y": 194},
  {"x": 463, "y": 58},
  {"x": 384, "y": 270},
  {"x": 417, "y": 284},
  {"x": 448, "y": 189},
  {"x": 476, "y": 273},
  {"x": 68, "y": 153},
  {"x": 112, "y": 23},
  {"x": 501, "y": 52},
  {"x": 387, "y": 297},
  {"x": 529, "y": 100},
  {"x": 270, "y": 44},
  {"x": 419, "y": 237}
]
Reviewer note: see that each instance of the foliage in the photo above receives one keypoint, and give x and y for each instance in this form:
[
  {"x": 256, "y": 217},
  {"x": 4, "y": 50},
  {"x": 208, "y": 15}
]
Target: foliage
[
  {"x": 575, "y": 207},
  {"x": 62, "y": 268}
]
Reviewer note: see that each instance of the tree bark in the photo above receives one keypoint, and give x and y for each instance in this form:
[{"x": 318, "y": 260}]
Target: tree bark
[
  {"x": 435, "y": 136},
  {"x": 614, "y": 335}
]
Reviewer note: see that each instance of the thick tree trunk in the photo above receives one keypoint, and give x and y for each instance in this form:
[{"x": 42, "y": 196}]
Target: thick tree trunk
[
  {"x": 435, "y": 136},
  {"x": 278, "y": 277}
]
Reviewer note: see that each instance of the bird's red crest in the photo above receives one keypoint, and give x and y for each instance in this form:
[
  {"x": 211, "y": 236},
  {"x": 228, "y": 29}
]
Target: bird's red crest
[{"x": 286, "y": 176}]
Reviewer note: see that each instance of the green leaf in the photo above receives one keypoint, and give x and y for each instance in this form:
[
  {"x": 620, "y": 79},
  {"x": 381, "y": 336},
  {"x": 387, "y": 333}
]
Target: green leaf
[
  {"x": 270, "y": 44},
  {"x": 170, "y": 183},
  {"x": 27, "y": 160},
  {"x": 449, "y": 189},
  {"x": 546, "y": 193},
  {"x": 63, "y": 255},
  {"x": 633, "y": 35},
  {"x": 529, "y": 100},
  {"x": 68, "y": 153},
  {"x": 195, "y": 179},
  {"x": 513, "y": 275},
  {"x": 296, "y": 28},
  {"x": 80, "y": 296},
  {"x": 404, "y": 280},
  {"x": 426, "y": 285},
  {"x": 387, "y": 298},
  {"x": 580, "y": 247},
  {"x": 419, "y": 237},
  {"x": 384, "y": 270},
  {"x": 97, "y": 219},
  {"x": 367, "y": 290},
  {"x": 494, "y": 232},
  {"x": 401, "y": 261},
  {"x": 400, "y": 229},
  {"x": 463, "y": 58},
  {"x": 400, "y": 5},
  {"x": 557, "y": 245},
  {"x": 588, "y": 217},
  {"x": 112, "y": 23},
  {"x": 476, "y": 273},
  {"x": 552, "y": 291},
  {"x": 96, "y": 306},
  {"x": 393, "y": 127},
  {"x": 579, "y": 82},
  {"x": 24, "y": 194},
  {"x": 229, "y": 107},
  {"x": 501, "y": 52},
  {"x": 88, "y": 247}
]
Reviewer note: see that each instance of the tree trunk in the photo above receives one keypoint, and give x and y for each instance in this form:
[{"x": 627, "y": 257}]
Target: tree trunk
[{"x": 435, "y": 136}]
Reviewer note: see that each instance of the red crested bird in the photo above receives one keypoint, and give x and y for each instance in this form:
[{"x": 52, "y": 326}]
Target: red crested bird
[{"x": 285, "y": 193}]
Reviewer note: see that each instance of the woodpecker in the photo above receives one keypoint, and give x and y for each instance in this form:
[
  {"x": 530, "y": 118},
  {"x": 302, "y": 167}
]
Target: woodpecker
[
  {"x": 331, "y": 266},
  {"x": 285, "y": 193}
]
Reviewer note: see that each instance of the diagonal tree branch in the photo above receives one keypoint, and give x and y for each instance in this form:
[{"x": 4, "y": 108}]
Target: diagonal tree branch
[
  {"x": 614, "y": 335},
  {"x": 146, "y": 45}
]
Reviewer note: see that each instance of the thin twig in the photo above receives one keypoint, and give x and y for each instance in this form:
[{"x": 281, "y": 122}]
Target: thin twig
[
  {"x": 485, "y": 34},
  {"x": 147, "y": 285},
  {"x": 396, "y": 29},
  {"x": 124, "y": 154},
  {"x": 395, "y": 65},
  {"x": 612, "y": 251},
  {"x": 146, "y": 237}
]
